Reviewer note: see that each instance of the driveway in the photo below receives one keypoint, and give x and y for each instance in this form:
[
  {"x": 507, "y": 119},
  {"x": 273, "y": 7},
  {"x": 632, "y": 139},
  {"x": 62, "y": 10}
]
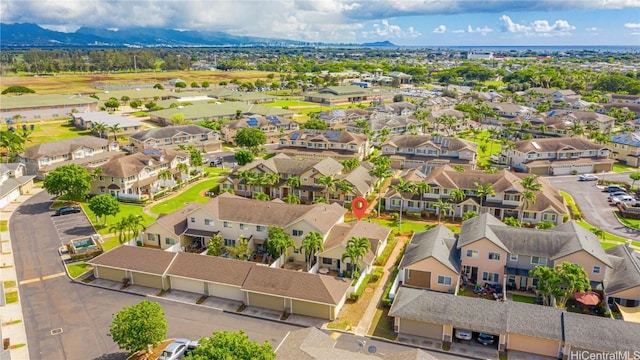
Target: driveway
[
  {"x": 72, "y": 226},
  {"x": 593, "y": 203}
]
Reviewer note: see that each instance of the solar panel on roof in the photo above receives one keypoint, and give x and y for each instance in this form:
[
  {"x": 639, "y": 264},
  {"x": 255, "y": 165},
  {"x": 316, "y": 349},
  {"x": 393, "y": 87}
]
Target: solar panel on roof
[
  {"x": 151, "y": 151},
  {"x": 553, "y": 112},
  {"x": 274, "y": 120},
  {"x": 294, "y": 136},
  {"x": 252, "y": 122}
]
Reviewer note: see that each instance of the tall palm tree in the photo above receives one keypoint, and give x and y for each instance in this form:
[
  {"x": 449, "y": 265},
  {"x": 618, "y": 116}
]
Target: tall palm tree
[
  {"x": 381, "y": 172},
  {"x": 456, "y": 196},
  {"x": 403, "y": 187},
  {"x": 346, "y": 187},
  {"x": 442, "y": 207},
  {"x": 182, "y": 168},
  {"x": 311, "y": 245},
  {"x": 134, "y": 225},
  {"x": 357, "y": 248},
  {"x": 528, "y": 198},
  {"x": 329, "y": 183},
  {"x": 291, "y": 199},
  {"x": 483, "y": 190},
  {"x": 115, "y": 129},
  {"x": 531, "y": 187},
  {"x": 293, "y": 182},
  {"x": 120, "y": 227},
  {"x": 99, "y": 128}
]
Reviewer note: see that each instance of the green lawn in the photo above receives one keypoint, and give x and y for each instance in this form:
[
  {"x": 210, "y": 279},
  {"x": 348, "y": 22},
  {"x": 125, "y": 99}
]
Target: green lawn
[
  {"x": 621, "y": 168},
  {"x": 524, "y": 299},
  {"x": 409, "y": 226},
  {"x": 77, "y": 269},
  {"x": 192, "y": 194},
  {"x": 3, "y": 225},
  {"x": 125, "y": 210},
  {"x": 53, "y": 131},
  {"x": 110, "y": 242},
  {"x": 291, "y": 103},
  {"x": 11, "y": 297}
]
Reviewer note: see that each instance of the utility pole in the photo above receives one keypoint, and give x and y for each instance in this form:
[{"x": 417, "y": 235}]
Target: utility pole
[{"x": 135, "y": 67}]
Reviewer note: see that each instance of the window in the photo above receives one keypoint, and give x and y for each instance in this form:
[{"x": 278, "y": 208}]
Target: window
[
  {"x": 243, "y": 226},
  {"x": 169, "y": 241},
  {"x": 226, "y": 224},
  {"x": 596, "y": 269},
  {"x": 297, "y": 232},
  {"x": 151, "y": 237},
  {"x": 229, "y": 242},
  {"x": 444, "y": 280},
  {"x": 472, "y": 253},
  {"x": 208, "y": 222},
  {"x": 193, "y": 220},
  {"x": 535, "y": 260},
  {"x": 513, "y": 257},
  {"x": 327, "y": 261},
  {"x": 395, "y": 202},
  {"x": 549, "y": 217},
  {"x": 494, "y": 256},
  {"x": 492, "y": 277}
]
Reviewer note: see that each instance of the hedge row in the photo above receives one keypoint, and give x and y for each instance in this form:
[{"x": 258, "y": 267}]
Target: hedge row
[{"x": 356, "y": 295}]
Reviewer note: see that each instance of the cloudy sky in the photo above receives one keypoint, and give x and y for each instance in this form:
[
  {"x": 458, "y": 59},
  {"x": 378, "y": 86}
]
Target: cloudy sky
[{"x": 403, "y": 22}]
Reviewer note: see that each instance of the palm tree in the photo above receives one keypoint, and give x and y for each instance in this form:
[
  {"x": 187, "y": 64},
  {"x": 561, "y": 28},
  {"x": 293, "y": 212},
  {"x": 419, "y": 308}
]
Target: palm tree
[
  {"x": 279, "y": 241},
  {"x": 442, "y": 207},
  {"x": 456, "y": 196},
  {"x": 182, "y": 168},
  {"x": 346, "y": 187},
  {"x": 291, "y": 199},
  {"x": 215, "y": 246},
  {"x": 96, "y": 172},
  {"x": 311, "y": 245},
  {"x": 293, "y": 182},
  {"x": 320, "y": 200},
  {"x": 381, "y": 172},
  {"x": 164, "y": 174},
  {"x": 357, "y": 248},
  {"x": 329, "y": 183},
  {"x": 261, "y": 196},
  {"x": 577, "y": 129},
  {"x": 403, "y": 187},
  {"x": 115, "y": 129},
  {"x": 120, "y": 227},
  {"x": 598, "y": 232},
  {"x": 99, "y": 128},
  {"x": 528, "y": 197},
  {"x": 483, "y": 190},
  {"x": 240, "y": 250},
  {"x": 134, "y": 225}
]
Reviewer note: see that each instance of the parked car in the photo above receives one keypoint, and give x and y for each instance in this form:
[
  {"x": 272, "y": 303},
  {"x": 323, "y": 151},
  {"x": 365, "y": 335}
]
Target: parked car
[
  {"x": 174, "y": 351},
  {"x": 623, "y": 198},
  {"x": 191, "y": 345},
  {"x": 215, "y": 162},
  {"x": 463, "y": 334},
  {"x": 587, "y": 177},
  {"x": 67, "y": 210},
  {"x": 486, "y": 339},
  {"x": 613, "y": 188},
  {"x": 617, "y": 193}
]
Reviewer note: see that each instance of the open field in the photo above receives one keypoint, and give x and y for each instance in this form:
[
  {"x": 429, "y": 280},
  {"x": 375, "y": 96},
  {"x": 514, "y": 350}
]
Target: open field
[{"x": 82, "y": 83}]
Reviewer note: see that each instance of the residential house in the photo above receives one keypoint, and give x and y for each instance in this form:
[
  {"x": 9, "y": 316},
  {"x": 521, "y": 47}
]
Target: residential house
[
  {"x": 622, "y": 284},
  {"x": 625, "y": 99},
  {"x": 511, "y": 110},
  {"x": 459, "y": 124},
  {"x": 44, "y": 107},
  {"x": 507, "y": 200},
  {"x": 308, "y": 172},
  {"x": 84, "y": 151},
  {"x": 88, "y": 120},
  {"x": 625, "y": 147},
  {"x": 272, "y": 126},
  {"x": 335, "y": 95},
  {"x": 431, "y": 261},
  {"x": 135, "y": 176},
  {"x": 558, "y": 156},
  {"x": 338, "y": 118},
  {"x": 13, "y": 182},
  {"x": 171, "y": 137},
  {"x": 339, "y": 145},
  {"x": 380, "y": 125},
  {"x": 590, "y": 120},
  {"x": 410, "y": 151},
  {"x": 401, "y": 108}
]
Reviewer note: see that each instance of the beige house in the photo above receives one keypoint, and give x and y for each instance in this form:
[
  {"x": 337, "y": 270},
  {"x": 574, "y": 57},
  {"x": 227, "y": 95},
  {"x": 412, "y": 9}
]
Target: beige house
[
  {"x": 625, "y": 147},
  {"x": 88, "y": 120},
  {"x": 622, "y": 284},
  {"x": 13, "y": 182},
  {"x": 339, "y": 145},
  {"x": 506, "y": 201},
  {"x": 558, "y": 156},
  {"x": 84, "y": 151},
  {"x": 410, "y": 151},
  {"x": 171, "y": 137},
  {"x": 431, "y": 261},
  {"x": 272, "y": 126}
]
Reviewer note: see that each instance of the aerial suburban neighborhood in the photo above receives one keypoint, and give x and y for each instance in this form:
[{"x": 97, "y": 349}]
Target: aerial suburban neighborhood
[{"x": 364, "y": 202}]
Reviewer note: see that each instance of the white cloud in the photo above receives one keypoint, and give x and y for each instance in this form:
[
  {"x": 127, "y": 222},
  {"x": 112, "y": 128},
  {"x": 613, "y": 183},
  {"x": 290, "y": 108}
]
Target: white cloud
[
  {"x": 591, "y": 29},
  {"x": 441, "y": 29},
  {"x": 483, "y": 31},
  {"x": 545, "y": 27},
  {"x": 459, "y": 31},
  {"x": 386, "y": 30},
  {"x": 632, "y": 25},
  {"x": 509, "y": 26}
]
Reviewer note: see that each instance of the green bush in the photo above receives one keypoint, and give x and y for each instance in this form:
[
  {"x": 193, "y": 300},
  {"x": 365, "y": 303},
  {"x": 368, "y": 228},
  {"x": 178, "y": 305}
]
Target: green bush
[
  {"x": 376, "y": 274},
  {"x": 356, "y": 295},
  {"x": 391, "y": 244},
  {"x": 415, "y": 215},
  {"x": 386, "y": 302}
]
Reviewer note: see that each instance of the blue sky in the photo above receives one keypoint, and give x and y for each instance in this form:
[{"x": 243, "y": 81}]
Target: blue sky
[{"x": 403, "y": 22}]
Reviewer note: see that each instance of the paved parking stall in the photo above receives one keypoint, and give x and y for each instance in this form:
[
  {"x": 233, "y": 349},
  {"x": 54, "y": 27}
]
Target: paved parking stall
[{"x": 72, "y": 226}]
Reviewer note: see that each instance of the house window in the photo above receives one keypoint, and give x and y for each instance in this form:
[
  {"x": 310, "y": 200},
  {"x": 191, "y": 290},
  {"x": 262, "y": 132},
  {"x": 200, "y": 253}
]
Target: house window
[
  {"x": 549, "y": 217},
  {"x": 208, "y": 222},
  {"x": 169, "y": 241},
  {"x": 261, "y": 228},
  {"x": 229, "y": 242},
  {"x": 536, "y": 260},
  {"x": 297, "y": 232},
  {"x": 491, "y": 277},
  {"x": 473, "y": 253},
  {"x": 193, "y": 220},
  {"x": 226, "y": 224},
  {"x": 243, "y": 226},
  {"x": 395, "y": 202},
  {"x": 596, "y": 269},
  {"x": 494, "y": 256},
  {"x": 151, "y": 237},
  {"x": 513, "y": 257},
  {"x": 327, "y": 261},
  {"x": 444, "y": 280}
]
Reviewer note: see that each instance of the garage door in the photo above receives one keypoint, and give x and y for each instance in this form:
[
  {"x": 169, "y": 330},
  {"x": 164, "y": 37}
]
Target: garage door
[
  {"x": 154, "y": 281},
  {"x": 266, "y": 301},
  {"x": 419, "y": 278},
  {"x": 312, "y": 309},
  {"x": 417, "y": 328},
  {"x": 109, "y": 274},
  {"x": 190, "y": 285},
  {"x": 226, "y": 292},
  {"x": 533, "y": 345}
]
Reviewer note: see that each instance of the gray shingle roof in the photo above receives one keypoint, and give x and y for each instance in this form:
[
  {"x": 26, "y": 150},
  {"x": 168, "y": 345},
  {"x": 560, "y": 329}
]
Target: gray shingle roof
[
  {"x": 210, "y": 268},
  {"x": 170, "y": 131},
  {"x": 556, "y": 144},
  {"x": 478, "y": 228},
  {"x": 438, "y": 243},
  {"x": 67, "y": 146},
  {"x": 414, "y": 141},
  {"x": 128, "y": 165},
  {"x": 626, "y": 269},
  {"x": 601, "y": 334}
]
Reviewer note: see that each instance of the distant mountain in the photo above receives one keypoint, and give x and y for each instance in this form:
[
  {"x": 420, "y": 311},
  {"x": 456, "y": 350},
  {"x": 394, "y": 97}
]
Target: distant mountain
[
  {"x": 386, "y": 43},
  {"x": 30, "y": 35}
]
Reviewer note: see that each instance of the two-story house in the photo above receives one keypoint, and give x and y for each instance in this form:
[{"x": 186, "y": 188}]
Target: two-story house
[
  {"x": 625, "y": 147},
  {"x": 272, "y": 126},
  {"x": 13, "y": 182},
  {"x": 380, "y": 123},
  {"x": 558, "y": 156},
  {"x": 506, "y": 200},
  {"x": 590, "y": 120},
  {"x": 84, "y": 151},
  {"x": 136, "y": 176},
  {"x": 325, "y": 143},
  {"x": 88, "y": 121},
  {"x": 622, "y": 284},
  {"x": 410, "y": 151},
  {"x": 338, "y": 118},
  {"x": 171, "y": 137}
]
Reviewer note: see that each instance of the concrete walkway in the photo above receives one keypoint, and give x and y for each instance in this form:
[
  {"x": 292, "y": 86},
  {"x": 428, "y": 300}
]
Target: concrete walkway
[{"x": 11, "y": 314}]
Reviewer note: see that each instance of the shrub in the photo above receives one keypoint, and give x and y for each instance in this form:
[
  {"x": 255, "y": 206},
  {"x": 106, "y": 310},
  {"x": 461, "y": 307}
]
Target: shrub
[
  {"x": 376, "y": 274},
  {"x": 386, "y": 301},
  {"x": 356, "y": 295},
  {"x": 391, "y": 244},
  {"x": 413, "y": 214}
]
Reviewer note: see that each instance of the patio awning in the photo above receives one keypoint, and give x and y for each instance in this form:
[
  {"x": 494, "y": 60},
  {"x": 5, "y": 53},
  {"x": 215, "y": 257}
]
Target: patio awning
[
  {"x": 588, "y": 298},
  {"x": 203, "y": 233},
  {"x": 630, "y": 314}
]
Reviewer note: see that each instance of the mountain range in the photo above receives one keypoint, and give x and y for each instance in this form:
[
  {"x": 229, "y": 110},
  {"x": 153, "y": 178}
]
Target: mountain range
[{"x": 32, "y": 35}]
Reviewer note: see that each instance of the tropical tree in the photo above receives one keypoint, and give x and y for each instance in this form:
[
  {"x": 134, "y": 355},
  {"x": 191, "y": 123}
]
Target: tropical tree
[
  {"x": 71, "y": 181},
  {"x": 120, "y": 228},
  {"x": 456, "y": 196},
  {"x": 195, "y": 156},
  {"x": 320, "y": 200},
  {"x": 356, "y": 249},
  {"x": 403, "y": 187},
  {"x": 311, "y": 245},
  {"x": 134, "y": 225},
  {"x": 349, "y": 164},
  {"x": 598, "y": 232},
  {"x": 562, "y": 281},
  {"x": 545, "y": 225},
  {"x": 104, "y": 205},
  {"x": 250, "y": 138},
  {"x": 291, "y": 199},
  {"x": 225, "y": 345},
  {"x": 11, "y": 143},
  {"x": 136, "y": 327},
  {"x": 544, "y": 284},
  {"x": 165, "y": 174},
  {"x": 511, "y": 221},
  {"x": 243, "y": 157},
  {"x": 635, "y": 176},
  {"x": 182, "y": 168},
  {"x": 278, "y": 241},
  {"x": 115, "y": 129},
  {"x": 483, "y": 190},
  {"x": 329, "y": 182},
  {"x": 442, "y": 207},
  {"x": 381, "y": 172},
  {"x": 261, "y": 196},
  {"x": 240, "y": 250},
  {"x": 215, "y": 246},
  {"x": 99, "y": 128},
  {"x": 531, "y": 187}
]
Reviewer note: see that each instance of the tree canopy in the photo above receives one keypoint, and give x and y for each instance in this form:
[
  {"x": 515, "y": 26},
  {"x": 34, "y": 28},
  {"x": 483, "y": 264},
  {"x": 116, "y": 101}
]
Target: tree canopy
[
  {"x": 71, "y": 181},
  {"x": 250, "y": 138},
  {"x": 224, "y": 345},
  {"x": 104, "y": 205},
  {"x": 135, "y": 327},
  {"x": 243, "y": 157},
  {"x": 18, "y": 90},
  {"x": 561, "y": 282}
]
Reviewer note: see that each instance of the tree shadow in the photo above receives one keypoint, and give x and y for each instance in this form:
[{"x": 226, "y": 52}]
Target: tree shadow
[{"x": 113, "y": 356}]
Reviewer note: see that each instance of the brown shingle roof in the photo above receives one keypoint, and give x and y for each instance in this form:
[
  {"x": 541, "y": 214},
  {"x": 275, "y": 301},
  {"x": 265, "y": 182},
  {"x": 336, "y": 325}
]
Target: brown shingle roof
[
  {"x": 177, "y": 220},
  {"x": 129, "y": 165},
  {"x": 210, "y": 268},
  {"x": 66, "y": 146},
  {"x": 556, "y": 144},
  {"x": 295, "y": 284},
  {"x": 135, "y": 258}
]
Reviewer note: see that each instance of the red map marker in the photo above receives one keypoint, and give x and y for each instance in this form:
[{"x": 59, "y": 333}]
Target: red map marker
[{"x": 359, "y": 206}]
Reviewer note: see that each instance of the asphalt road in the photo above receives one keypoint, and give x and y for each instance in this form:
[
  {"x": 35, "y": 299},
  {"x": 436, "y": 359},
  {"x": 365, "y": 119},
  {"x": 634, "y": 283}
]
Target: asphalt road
[{"x": 593, "y": 203}]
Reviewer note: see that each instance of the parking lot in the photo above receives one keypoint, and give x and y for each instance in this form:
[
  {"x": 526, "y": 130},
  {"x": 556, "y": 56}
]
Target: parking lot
[{"x": 71, "y": 226}]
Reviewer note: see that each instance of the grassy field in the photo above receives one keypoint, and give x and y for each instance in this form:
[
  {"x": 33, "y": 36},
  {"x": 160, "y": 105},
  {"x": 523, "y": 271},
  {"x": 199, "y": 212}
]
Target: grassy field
[
  {"x": 524, "y": 299},
  {"x": 11, "y": 297},
  {"x": 194, "y": 194},
  {"x": 125, "y": 210},
  {"x": 621, "y": 168},
  {"x": 54, "y": 131},
  {"x": 79, "y": 268}
]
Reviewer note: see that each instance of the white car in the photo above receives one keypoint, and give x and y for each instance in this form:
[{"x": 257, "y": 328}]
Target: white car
[
  {"x": 587, "y": 177},
  {"x": 463, "y": 334}
]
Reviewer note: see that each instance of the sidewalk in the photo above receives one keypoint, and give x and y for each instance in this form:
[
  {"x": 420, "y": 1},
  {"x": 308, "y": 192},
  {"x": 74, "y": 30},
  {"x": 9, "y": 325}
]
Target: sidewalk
[{"x": 11, "y": 314}]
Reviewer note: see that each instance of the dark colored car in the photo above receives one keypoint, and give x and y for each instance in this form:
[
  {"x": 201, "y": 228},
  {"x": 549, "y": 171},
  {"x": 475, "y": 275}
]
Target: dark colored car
[
  {"x": 67, "y": 210},
  {"x": 486, "y": 339}
]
